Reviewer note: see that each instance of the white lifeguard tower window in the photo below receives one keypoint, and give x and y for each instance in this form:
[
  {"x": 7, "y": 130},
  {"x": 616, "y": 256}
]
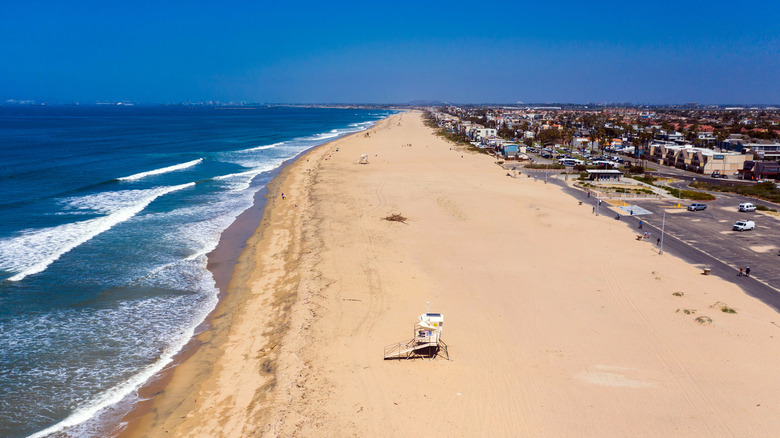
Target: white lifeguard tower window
[
  {"x": 426, "y": 340},
  {"x": 435, "y": 320}
]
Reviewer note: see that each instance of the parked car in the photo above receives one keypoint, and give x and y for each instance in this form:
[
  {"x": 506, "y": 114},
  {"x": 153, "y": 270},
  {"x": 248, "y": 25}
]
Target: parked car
[
  {"x": 696, "y": 206},
  {"x": 743, "y": 225},
  {"x": 747, "y": 206}
]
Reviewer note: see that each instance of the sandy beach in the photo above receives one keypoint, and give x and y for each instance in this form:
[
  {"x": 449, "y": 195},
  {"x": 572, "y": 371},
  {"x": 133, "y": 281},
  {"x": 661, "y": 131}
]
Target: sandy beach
[{"x": 558, "y": 322}]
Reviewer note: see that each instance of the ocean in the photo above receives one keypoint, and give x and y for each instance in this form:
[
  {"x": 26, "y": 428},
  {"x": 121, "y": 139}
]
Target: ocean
[{"x": 107, "y": 214}]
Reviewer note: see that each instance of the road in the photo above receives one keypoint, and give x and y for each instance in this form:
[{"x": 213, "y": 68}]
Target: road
[{"x": 705, "y": 238}]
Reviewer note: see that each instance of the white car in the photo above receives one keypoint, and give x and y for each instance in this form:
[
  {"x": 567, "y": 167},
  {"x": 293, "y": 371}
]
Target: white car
[
  {"x": 747, "y": 206},
  {"x": 744, "y": 225}
]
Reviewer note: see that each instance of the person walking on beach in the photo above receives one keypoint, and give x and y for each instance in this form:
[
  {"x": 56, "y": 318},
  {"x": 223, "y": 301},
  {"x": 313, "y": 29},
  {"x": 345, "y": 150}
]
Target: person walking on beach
[
  {"x": 747, "y": 271},
  {"x": 640, "y": 225},
  {"x": 740, "y": 272}
]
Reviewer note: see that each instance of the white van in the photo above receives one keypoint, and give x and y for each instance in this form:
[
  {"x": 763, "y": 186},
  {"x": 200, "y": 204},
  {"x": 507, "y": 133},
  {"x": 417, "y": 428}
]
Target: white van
[
  {"x": 743, "y": 225},
  {"x": 747, "y": 206}
]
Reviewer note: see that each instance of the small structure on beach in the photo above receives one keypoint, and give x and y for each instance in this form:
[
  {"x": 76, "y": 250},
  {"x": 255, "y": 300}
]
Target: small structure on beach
[
  {"x": 426, "y": 341},
  {"x": 363, "y": 159},
  {"x": 604, "y": 174}
]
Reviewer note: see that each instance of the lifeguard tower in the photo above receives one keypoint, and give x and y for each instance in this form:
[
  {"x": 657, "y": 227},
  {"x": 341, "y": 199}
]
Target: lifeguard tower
[{"x": 426, "y": 342}]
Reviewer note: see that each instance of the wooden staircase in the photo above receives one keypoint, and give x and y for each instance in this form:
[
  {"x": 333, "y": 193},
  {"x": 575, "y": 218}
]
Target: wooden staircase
[{"x": 415, "y": 349}]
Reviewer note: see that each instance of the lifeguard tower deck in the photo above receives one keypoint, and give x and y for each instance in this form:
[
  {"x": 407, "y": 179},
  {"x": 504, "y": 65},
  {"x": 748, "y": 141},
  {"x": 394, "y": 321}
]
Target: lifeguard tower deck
[{"x": 426, "y": 342}]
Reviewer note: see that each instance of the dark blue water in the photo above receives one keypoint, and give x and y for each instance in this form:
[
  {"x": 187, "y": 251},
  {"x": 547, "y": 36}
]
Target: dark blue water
[{"x": 106, "y": 217}]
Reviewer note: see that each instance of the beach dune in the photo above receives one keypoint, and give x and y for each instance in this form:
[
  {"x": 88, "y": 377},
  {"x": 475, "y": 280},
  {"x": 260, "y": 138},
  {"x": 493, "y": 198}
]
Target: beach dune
[{"x": 558, "y": 322}]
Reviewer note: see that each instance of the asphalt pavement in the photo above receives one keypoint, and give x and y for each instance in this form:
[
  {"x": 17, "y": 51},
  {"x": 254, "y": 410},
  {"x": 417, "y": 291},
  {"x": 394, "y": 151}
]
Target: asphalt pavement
[{"x": 704, "y": 238}]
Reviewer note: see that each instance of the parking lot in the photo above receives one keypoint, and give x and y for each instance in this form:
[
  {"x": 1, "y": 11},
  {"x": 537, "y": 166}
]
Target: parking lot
[
  {"x": 705, "y": 237},
  {"x": 710, "y": 232}
]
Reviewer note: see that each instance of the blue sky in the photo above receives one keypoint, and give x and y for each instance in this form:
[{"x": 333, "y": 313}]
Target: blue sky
[{"x": 391, "y": 52}]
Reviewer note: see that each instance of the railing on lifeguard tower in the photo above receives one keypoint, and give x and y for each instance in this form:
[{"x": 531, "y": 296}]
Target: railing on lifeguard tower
[{"x": 426, "y": 341}]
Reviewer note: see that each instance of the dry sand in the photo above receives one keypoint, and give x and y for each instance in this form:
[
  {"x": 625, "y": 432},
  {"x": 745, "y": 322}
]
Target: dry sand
[{"x": 559, "y": 322}]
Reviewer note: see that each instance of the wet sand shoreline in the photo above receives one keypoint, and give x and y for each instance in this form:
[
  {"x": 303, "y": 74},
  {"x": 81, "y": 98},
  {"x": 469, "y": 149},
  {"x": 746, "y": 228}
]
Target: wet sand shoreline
[
  {"x": 558, "y": 322},
  {"x": 222, "y": 262}
]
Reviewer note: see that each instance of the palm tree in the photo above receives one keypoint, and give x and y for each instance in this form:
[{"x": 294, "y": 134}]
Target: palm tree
[
  {"x": 568, "y": 136},
  {"x": 593, "y": 137},
  {"x": 602, "y": 135}
]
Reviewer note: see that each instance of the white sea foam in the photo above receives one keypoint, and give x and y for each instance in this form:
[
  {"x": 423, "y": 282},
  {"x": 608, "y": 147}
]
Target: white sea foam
[
  {"x": 241, "y": 180},
  {"x": 238, "y": 181},
  {"x": 260, "y": 148},
  {"x": 33, "y": 251},
  {"x": 246, "y": 158},
  {"x": 103, "y": 202},
  {"x": 191, "y": 273},
  {"x": 326, "y": 135},
  {"x": 193, "y": 230},
  {"x": 184, "y": 274},
  {"x": 252, "y": 173},
  {"x": 173, "y": 168}
]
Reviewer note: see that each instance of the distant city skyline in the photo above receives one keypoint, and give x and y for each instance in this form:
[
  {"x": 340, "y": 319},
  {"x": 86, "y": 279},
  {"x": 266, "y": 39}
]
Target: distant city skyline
[{"x": 354, "y": 52}]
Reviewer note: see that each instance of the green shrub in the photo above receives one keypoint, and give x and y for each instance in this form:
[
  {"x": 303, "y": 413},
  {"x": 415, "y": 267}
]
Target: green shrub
[
  {"x": 647, "y": 179},
  {"x": 765, "y": 190},
  {"x": 694, "y": 195},
  {"x": 545, "y": 166}
]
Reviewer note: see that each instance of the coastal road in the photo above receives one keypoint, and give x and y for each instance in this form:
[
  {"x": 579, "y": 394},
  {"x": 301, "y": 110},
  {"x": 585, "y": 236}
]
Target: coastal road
[{"x": 705, "y": 238}]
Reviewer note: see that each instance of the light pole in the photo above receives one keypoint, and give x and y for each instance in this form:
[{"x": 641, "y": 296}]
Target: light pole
[
  {"x": 663, "y": 227},
  {"x": 546, "y": 171}
]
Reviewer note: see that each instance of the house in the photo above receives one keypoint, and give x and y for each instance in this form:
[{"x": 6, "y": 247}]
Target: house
[
  {"x": 675, "y": 136},
  {"x": 734, "y": 142},
  {"x": 767, "y": 150},
  {"x": 755, "y": 170},
  {"x": 696, "y": 159},
  {"x": 705, "y": 138},
  {"x": 482, "y": 134},
  {"x": 509, "y": 150}
]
